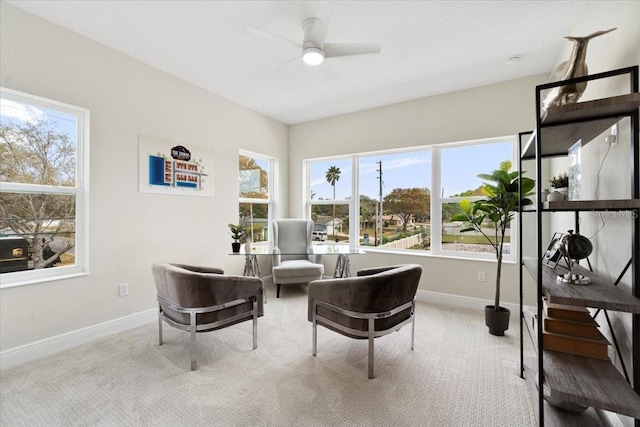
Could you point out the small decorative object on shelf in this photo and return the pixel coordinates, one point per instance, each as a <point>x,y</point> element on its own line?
<point>574,247</point>
<point>552,255</point>
<point>561,185</point>
<point>575,66</point>
<point>575,172</point>
<point>237,231</point>
<point>544,194</point>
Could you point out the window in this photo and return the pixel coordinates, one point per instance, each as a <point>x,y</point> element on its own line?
<point>255,189</point>
<point>405,197</point>
<point>329,198</point>
<point>458,183</point>
<point>43,189</point>
<point>395,199</point>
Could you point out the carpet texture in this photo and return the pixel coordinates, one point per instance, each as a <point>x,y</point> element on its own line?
<point>458,375</point>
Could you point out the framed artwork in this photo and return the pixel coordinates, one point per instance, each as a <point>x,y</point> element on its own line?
<point>575,172</point>
<point>552,255</point>
<point>168,167</point>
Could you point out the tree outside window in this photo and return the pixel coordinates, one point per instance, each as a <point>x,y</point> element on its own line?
<point>41,187</point>
<point>254,173</point>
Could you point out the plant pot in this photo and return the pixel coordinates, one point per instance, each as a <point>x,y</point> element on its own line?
<point>555,196</point>
<point>235,247</point>
<point>496,321</point>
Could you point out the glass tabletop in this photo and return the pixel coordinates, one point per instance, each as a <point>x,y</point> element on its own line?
<point>317,249</point>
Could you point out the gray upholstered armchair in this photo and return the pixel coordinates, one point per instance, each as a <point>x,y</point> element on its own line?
<point>202,299</point>
<point>291,248</point>
<point>375,303</point>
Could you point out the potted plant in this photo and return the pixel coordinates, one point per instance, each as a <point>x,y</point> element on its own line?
<point>503,198</point>
<point>561,184</point>
<point>237,231</point>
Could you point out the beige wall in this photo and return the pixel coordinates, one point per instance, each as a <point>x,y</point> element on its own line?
<point>128,230</point>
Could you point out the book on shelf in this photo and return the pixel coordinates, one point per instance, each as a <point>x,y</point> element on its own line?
<point>568,320</point>
<point>571,327</point>
<point>596,348</point>
<point>566,312</point>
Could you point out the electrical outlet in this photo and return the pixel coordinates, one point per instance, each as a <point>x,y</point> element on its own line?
<point>123,289</point>
<point>482,276</point>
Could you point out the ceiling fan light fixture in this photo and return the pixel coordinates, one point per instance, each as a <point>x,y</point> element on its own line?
<point>313,56</point>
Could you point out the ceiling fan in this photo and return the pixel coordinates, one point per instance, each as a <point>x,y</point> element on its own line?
<point>315,50</point>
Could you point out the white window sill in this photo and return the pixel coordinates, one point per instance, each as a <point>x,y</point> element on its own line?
<point>32,277</point>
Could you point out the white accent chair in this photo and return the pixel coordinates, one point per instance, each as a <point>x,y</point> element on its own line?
<point>292,262</point>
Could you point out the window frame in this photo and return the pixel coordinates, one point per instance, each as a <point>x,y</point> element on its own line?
<point>436,200</point>
<point>270,189</point>
<point>80,191</point>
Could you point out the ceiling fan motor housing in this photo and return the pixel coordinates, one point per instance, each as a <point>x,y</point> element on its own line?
<point>314,33</point>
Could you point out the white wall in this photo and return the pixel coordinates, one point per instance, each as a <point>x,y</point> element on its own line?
<point>128,230</point>
<point>490,111</point>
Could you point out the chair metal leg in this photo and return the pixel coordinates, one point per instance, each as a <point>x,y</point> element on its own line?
<point>159,326</point>
<point>315,330</point>
<point>255,324</point>
<point>194,364</point>
<point>413,329</point>
<point>370,358</point>
<point>278,290</point>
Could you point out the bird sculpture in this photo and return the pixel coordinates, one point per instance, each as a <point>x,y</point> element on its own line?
<point>575,66</point>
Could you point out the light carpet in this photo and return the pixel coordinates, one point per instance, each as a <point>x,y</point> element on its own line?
<point>458,375</point>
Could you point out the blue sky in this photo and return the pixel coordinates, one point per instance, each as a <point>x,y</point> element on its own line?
<point>19,112</point>
<point>460,166</point>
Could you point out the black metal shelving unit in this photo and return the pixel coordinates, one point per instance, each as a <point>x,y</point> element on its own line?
<point>577,379</point>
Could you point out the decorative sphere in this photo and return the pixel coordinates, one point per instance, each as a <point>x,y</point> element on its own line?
<point>575,246</point>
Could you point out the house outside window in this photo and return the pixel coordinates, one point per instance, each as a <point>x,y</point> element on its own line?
<point>43,189</point>
<point>406,197</point>
<point>255,184</point>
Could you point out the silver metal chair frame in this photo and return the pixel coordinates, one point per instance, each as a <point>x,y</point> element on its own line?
<point>371,333</point>
<point>192,327</point>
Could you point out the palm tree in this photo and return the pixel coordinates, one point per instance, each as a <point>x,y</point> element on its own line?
<point>333,176</point>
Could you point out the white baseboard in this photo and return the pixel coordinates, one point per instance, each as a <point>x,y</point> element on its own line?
<point>35,350</point>
<point>462,301</point>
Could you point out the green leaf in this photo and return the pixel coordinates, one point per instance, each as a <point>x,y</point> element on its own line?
<point>465,205</point>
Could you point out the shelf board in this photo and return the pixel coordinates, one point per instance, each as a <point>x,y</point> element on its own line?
<point>553,416</point>
<point>564,125</point>
<point>599,294</point>
<point>586,205</point>
<point>587,381</point>
<point>592,205</point>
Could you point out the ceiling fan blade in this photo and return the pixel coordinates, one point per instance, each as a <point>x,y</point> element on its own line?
<point>332,50</point>
<point>273,36</point>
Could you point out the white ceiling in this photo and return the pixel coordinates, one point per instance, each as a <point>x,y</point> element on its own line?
<point>428,47</point>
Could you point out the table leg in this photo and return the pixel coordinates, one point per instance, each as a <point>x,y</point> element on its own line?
<point>342,267</point>
<point>251,268</point>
